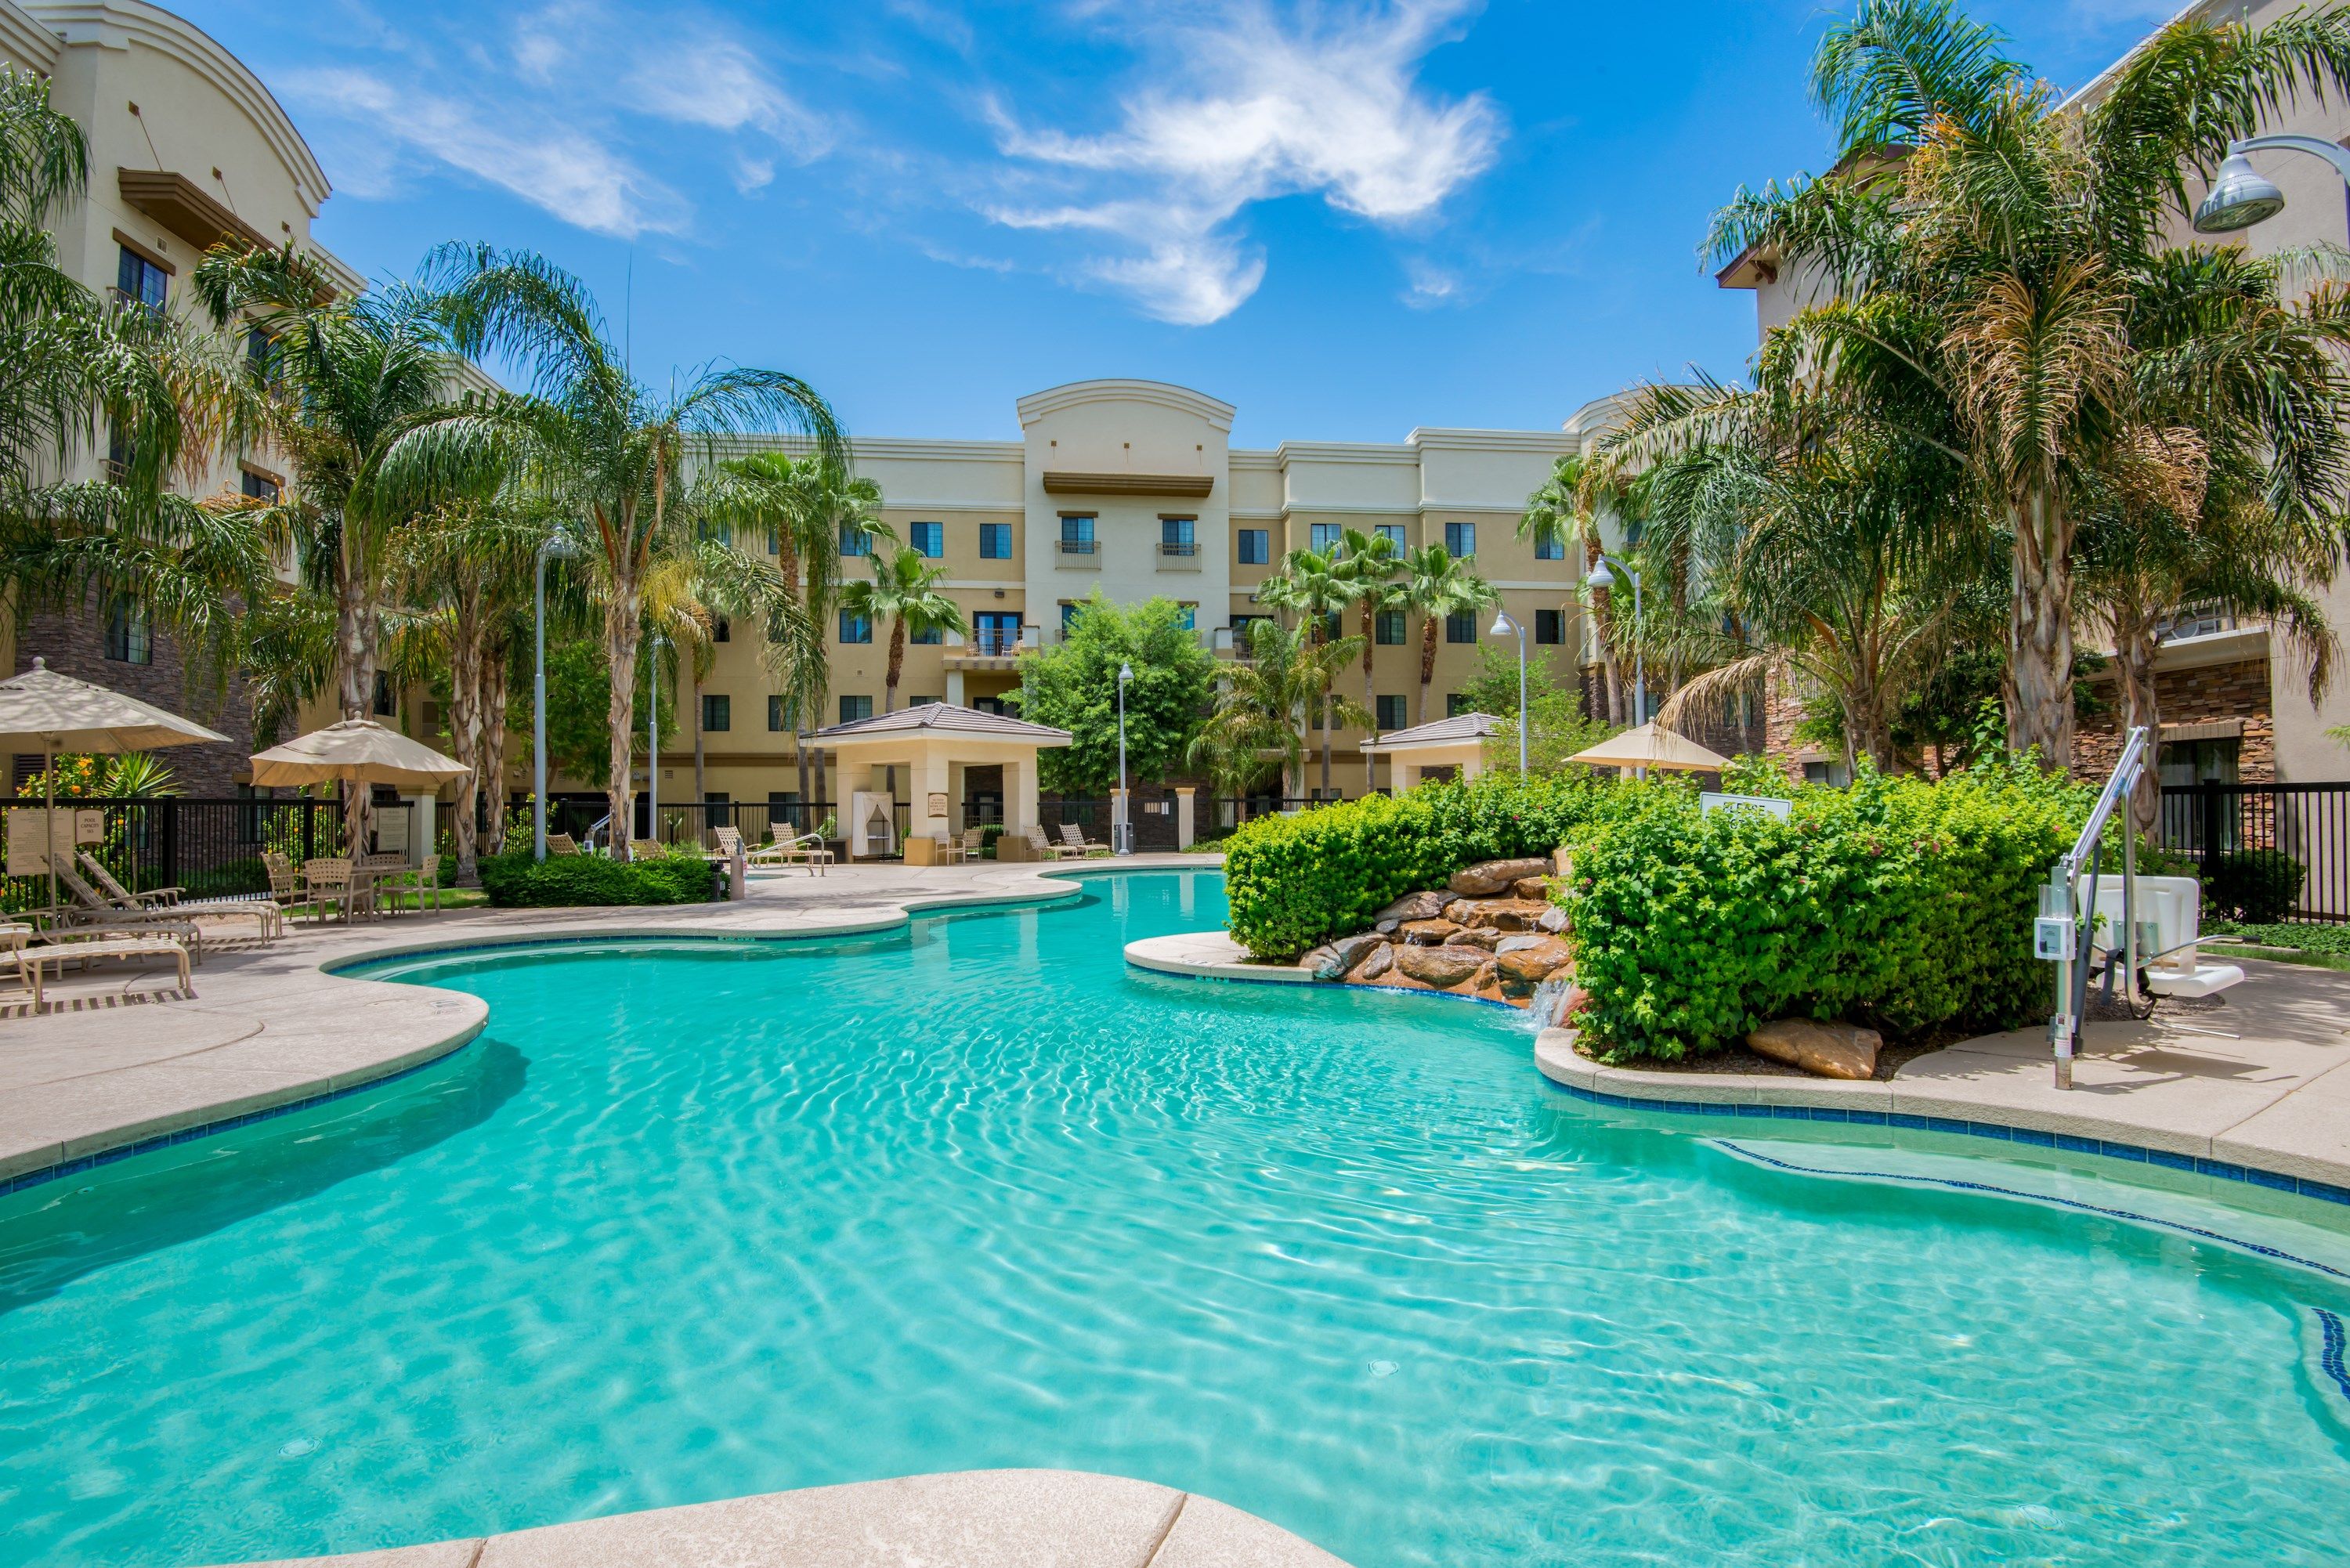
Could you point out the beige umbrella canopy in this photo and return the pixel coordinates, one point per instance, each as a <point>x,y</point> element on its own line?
<point>1652,747</point>
<point>357,752</point>
<point>59,713</point>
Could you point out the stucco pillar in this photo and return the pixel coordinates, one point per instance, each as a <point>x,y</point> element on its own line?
<point>1184,831</point>
<point>931,777</point>
<point>1405,774</point>
<point>423,831</point>
<point>954,689</point>
<point>1474,767</point>
<point>1020,795</point>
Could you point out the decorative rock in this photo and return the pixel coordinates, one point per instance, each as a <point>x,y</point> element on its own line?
<point>1533,888</point>
<point>1487,878</point>
<point>1552,920</point>
<point>1518,944</point>
<point>1417,905</point>
<point>1474,937</point>
<point>1523,968</point>
<point>1441,967</point>
<point>1380,962</point>
<point>1482,982</point>
<point>1829,1050</point>
<point>1319,962</point>
<point>1332,960</point>
<point>1387,927</point>
<point>1500,914</point>
<point>1428,933</point>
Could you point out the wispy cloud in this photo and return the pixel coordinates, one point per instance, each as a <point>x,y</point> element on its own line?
<point>1242,107</point>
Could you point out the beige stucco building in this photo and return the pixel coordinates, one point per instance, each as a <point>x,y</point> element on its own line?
<point>1132,487</point>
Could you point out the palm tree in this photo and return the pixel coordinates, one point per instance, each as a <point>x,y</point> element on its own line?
<point>904,592</point>
<point>2005,292</point>
<point>1438,586</point>
<point>1262,709</point>
<point>1311,583</point>
<point>602,447</point>
<point>1368,565</point>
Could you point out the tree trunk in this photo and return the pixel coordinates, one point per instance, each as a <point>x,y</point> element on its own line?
<point>2040,634</point>
<point>355,658</point>
<point>800,753</point>
<point>466,725</point>
<point>1426,664</point>
<point>621,632</point>
<point>498,662</point>
<point>701,770</point>
<point>2134,651</point>
<point>1603,616</point>
<point>1370,703</point>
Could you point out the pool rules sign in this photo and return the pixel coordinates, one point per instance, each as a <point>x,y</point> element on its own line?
<point>28,844</point>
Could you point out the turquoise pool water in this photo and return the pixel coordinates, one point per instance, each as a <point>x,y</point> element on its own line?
<point>691,1222</point>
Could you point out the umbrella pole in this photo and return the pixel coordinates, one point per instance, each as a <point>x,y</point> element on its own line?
<point>50,827</point>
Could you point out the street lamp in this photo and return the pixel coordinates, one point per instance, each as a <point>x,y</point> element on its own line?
<point>1504,623</point>
<point>1601,577</point>
<point>2242,196</point>
<point>652,746</point>
<point>556,547</point>
<point>1125,824</point>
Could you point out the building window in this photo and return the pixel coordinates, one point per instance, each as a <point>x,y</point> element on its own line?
<point>1393,534</point>
<point>996,633</point>
<point>1069,613</point>
<point>1834,775</point>
<point>1326,537</point>
<point>1187,617</point>
<point>258,487</point>
<point>723,631</point>
<point>782,715</point>
<point>1455,704</point>
<point>2201,762</point>
<point>1334,625</point>
<point>1256,546</point>
<point>258,348</point>
<point>1460,628</point>
<point>993,705</point>
<point>1460,539</point>
<point>384,705</point>
<point>996,541</point>
<point>855,708</point>
<point>140,281</point>
<point>1550,548</point>
<point>129,638</point>
<point>1177,536</point>
<point>855,540</point>
<point>1387,629</point>
<point>120,453</point>
<point>1550,626</point>
<point>924,702</point>
<point>1244,633</point>
<point>717,713</point>
<point>855,627</point>
<point>1390,713</point>
<point>1077,536</point>
<point>930,539</point>
<point>926,636</point>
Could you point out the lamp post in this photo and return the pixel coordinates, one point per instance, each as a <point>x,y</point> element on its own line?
<point>1504,623</point>
<point>2242,196</point>
<point>1601,577</point>
<point>1125,824</point>
<point>652,746</point>
<point>555,548</point>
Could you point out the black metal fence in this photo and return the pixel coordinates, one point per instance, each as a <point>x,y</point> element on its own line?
<point>208,847</point>
<point>2310,822</point>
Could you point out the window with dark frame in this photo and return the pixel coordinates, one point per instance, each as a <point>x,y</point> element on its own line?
<point>1461,540</point>
<point>1455,704</point>
<point>723,631</point>
<point>1550,548</point>
<point>855,627</point>
<point>717,712</point>
<point>1391,712</point>
<point>1177,536</point>
<point>1459,627</point>
<point>855,708</point>
<point>1393,532</point>
<point>996,541</point>
<point>129,638</point>
<point>928,539</point>
<point>1387,629</point>
<point>927,636</point>
<point>995,633</point>
<point>855,540</point>
<point>1550,626</point>
<point>1077,535</point>
<point>386,703</point>
<point>1326,537</point>
<point>259,487</point>
<point>1256,546</point>
<point>142,282</point>
<point>782,718</point>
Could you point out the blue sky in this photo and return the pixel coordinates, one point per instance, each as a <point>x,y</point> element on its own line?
<point>1347,219</point>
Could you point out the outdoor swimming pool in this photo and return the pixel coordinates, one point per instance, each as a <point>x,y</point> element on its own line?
<point>696,1222</point>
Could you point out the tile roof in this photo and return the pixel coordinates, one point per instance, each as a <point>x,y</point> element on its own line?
<point>947,716</point>
<point>1459,727</point>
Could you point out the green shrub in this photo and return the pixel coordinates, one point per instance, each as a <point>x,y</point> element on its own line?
<point>513,881</point>
<point>1295,882</point>
<point>1898,903</point>
<point>2255,886</point>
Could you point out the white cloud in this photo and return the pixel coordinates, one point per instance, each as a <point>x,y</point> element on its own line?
<point>715,81</point>
<point>560,167</point>
<point>1430,286</point>
<point>1246,107</point>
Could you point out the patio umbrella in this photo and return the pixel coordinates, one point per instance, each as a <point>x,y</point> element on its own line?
<point>1652,747</point>
<point>62,714</point>
<point>356,752</point>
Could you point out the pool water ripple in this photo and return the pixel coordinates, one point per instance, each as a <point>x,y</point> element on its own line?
<point>690,1223</point>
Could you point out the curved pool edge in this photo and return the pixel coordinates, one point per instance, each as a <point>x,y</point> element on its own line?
<point>972,1519</point>
<point>296,1041</point>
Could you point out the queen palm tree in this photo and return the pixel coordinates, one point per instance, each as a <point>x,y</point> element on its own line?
<point>1263,703</point>
<point>1368,565</point>
<point>1311,583</point>
<point>2005,292</point>
<point>1438,586</point>
<point>904,591</point>
<point>601,447</point>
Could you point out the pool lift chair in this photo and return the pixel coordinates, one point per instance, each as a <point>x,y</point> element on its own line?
<point>2158,956</point>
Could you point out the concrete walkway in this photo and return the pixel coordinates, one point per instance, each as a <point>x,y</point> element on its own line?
<point>974,1519</point>
<point>122,1059</point>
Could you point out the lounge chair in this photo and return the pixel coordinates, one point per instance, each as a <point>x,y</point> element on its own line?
<point>561,844</point>
<point>728,840</point>
<point>1045,848</point>
<point>272,918</point>
<point>807,850</point>
<point>1074,838</point>
<point>91,910</point>
<point>28,952</point>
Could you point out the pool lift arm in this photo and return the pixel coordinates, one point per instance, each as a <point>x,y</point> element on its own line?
<point>2065,932</point>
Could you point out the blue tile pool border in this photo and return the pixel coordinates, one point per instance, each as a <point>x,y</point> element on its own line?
<point>2226,1170</point>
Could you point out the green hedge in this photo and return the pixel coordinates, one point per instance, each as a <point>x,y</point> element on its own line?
<point>513,881</point>
<point>2255,886</point>
<point>1898,903</point>
<point>1296,881</point>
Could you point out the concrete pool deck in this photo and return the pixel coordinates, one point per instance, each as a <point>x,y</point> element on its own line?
<point>117,1062</point>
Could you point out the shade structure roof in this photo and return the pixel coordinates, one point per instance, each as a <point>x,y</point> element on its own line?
<point>356,750</point>
<point>944,720</point>
<point>1459,729</point>
<point>1652,747</point>
<point>59,713</point>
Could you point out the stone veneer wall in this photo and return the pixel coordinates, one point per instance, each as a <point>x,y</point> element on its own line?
<point>2215,692</point>
<point>74,644</point>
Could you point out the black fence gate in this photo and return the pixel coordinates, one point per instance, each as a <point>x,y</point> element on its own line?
<point>208,848</point>
<point>2309,822</point>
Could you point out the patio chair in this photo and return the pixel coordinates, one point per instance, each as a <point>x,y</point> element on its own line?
<point>1045,848</point>
<point>974,840</point>
<point>561,844</point>
<point>1074,836</point>
<point>272,918</point>
<point>949,849</point>
<point>33,951</point>
<point>328,880</point>
<point>286,884</point>
<point>387,873</point>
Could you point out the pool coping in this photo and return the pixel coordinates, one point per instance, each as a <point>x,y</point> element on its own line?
<point>199,1116</point>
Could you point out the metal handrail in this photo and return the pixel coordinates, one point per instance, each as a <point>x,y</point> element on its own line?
<point>2064,879</point>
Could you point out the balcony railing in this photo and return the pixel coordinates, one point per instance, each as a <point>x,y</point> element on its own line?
<point>1178,548</point>
<point>996,641</point>
<point>1076,547</point>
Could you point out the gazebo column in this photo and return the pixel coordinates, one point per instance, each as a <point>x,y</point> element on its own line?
<point>1407,775</point>
<point>932,775</point>
<point>1020,795</point>
<point>1474,766</point>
